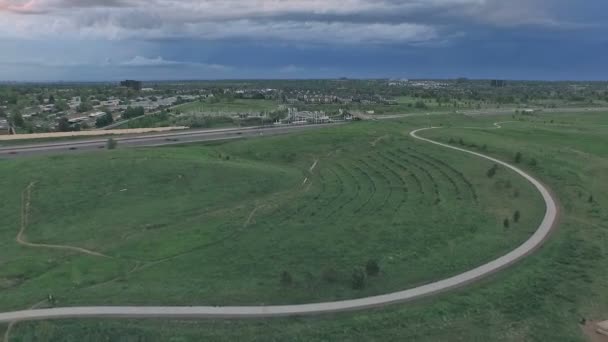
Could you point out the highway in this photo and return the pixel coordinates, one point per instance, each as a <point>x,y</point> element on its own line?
<point>148,140</point>
<point>545,228</point>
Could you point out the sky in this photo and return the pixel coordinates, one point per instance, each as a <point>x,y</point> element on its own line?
<point>108,40</point>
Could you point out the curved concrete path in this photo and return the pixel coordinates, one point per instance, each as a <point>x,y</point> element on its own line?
<point>204,312</point>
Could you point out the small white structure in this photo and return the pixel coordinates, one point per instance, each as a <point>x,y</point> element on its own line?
<point>97,114</point>
<point>77,120</point>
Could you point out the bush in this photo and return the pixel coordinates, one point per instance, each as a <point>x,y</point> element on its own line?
<point>516,216</point>
<point>492,171</point>
<point>372,268</point>
<point>330,275</point>
<point>133,112</point>
<point>104,120</point>
<point>358,278</point>
<point>506,223</point>
<point>518,157</point>
<point>533,162</point>
<point>420,105</point>
<point>591,199</point>
<point>286,278</point>
<point>111,144</point>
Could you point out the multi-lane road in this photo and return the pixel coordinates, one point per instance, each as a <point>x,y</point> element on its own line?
<point>548,223</point>
<point>180,137</point>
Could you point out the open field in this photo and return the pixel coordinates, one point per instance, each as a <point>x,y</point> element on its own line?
<point>225,107</point>
<point>374,194</point>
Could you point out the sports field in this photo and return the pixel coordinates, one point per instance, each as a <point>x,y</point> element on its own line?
<point>223,224</point>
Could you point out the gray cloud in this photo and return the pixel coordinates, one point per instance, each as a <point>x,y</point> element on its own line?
<point>315,21</point>
<point>144,62</point>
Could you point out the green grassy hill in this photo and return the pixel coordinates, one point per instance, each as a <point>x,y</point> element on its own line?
<point>219,224</point>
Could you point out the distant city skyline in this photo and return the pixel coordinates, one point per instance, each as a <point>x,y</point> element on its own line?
<point>101,40</point>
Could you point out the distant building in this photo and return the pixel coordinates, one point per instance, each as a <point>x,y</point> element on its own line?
<point>135,85</point>
<point>528,111</point>
<point>77,120</point>
<point>4,127</point>
<point>498,83</point>
<point>97,114</point>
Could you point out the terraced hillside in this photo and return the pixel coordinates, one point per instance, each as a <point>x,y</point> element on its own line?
<point>275,220</point>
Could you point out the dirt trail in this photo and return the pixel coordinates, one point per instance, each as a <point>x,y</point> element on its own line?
<point>379,139</point>
<point>250,217</point>
<point>21,239</point>
<point>312,168</point>
<point>9,328</point>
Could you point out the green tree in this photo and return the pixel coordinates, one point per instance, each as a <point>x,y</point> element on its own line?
<point>17,119</point>
<point>111,144</point>
<point>358,278</point>
<point>133,112</point>
<point>51,99</point>
<point>420,105</point>
<point>64,125</point>
<point>492,171</point>
<point>506,223</point>
<point>330,275</point>
<point>518,157</point>
<point>61,105</point>
<point>104,120</point>
<point>84,107</point>
<point>286,278</point>
<point>372,268</point>
<point>516,216</point>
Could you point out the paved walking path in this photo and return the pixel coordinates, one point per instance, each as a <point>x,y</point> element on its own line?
<point>203,312</point>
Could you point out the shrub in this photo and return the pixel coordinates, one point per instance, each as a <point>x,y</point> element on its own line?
<point>111,144</point>
<point>484,147</point>
<point>286,278</point>
<point>518,157</point>
<point>492,171</point>
<point>516,216</point>
<point>452,141</point>
<point>372,268</point>
<point>461,142</point>
<point>131,112</point>
<point>533,162</point>
<point>358,278</point>
<point>591,199</point>
<point>506,223</point>
<point>330,275</point>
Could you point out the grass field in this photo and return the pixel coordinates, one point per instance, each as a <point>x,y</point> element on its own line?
<point>225,107</point>
<point>422,211</point>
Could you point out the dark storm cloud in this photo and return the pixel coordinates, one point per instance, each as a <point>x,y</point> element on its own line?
<point>312,37</point>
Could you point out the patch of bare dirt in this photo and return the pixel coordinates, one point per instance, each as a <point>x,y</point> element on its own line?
<point>590,330</point>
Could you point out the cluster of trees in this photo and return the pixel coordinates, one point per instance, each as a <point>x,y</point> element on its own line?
<point>133,112</point>
<point>104,120</point>
<point>65,126</point>
<point>84,106</point>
